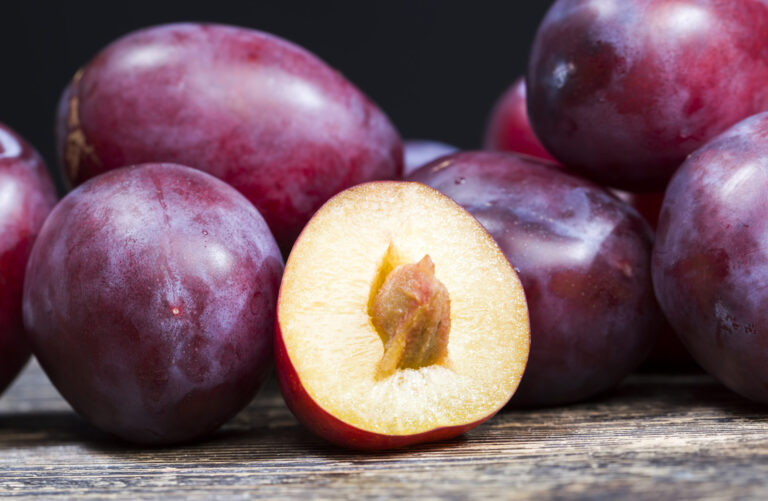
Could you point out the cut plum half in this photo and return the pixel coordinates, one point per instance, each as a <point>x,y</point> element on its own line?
<point>399,320</point>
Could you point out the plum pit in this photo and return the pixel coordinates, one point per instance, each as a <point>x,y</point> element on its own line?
<point>411,311</point>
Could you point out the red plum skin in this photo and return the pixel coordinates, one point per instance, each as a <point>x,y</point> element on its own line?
<point>27,195</point>
<point>623,91</point>
<point>150,301</point>
<point>583,257</point>
<point>254,110</point>
<point>710,261</point>
<point>509,128</point>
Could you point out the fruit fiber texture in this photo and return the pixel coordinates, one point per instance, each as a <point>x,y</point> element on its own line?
<point>509,127</point>
<point>339,432</point>
<point>361,352</point>
<point>256,111</point>
<point>710,261</point>
<point>584,260</point>
<point>623,91</point>
<point>150,301</point>
<point>27,195</point>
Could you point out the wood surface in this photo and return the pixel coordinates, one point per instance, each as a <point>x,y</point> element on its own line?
<point>655,437</point>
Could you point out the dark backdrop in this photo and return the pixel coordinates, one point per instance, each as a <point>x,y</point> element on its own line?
<point>435,67</point>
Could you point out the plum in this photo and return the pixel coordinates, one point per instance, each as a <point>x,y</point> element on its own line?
<point>668,353</point>
<point>254,110</point>
<point>27,195</point>
<point>647,204</point>
<point>583,256</point>
<point>419,152</point>
<point>150,301</point>
<point>509,127</point>
<point>623,91</point>
<point>710,260</point>
<point>399,320</point>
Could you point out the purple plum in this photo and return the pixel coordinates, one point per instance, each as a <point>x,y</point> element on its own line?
<point>583,257</point>
<point>150,301</point>
<point>623,91</point>
<point>710,261</point>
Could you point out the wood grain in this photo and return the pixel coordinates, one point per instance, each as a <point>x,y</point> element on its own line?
<point>656,437</point>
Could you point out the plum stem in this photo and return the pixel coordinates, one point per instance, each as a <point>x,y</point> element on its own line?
<point>412,313</point>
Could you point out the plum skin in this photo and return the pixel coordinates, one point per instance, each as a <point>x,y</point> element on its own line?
<point>27,195</point>
<point>150,301</point>
<point>583,257</point>
<point>709,261</point>
<point>624,91</point>
<point>669,352</point>
<point>419,152</point>
<point>647,205</point>
<point>509,127</point>
<point>336,431</point>
<point>256,111</point>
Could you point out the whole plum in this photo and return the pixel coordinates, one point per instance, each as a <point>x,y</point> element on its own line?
<point>419,152</point>
<point>624,90</point>
<point>27,195</point>
<point>254,110</point>
<point>150,300</point>
<point>710,261</point>
<point>509,127</point>
<point>583,257</point>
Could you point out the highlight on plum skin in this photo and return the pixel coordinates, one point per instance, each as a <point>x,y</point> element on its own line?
<point>419,152</point>
<point>150,301</point>
<point>624,91</point>
<point>583,257</point>
<point>27,195</point>
<point>509,127</point>
<point>710,261</point>
<point>260,113</point>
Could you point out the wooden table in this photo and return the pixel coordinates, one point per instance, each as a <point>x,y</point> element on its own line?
<point>656,437</point>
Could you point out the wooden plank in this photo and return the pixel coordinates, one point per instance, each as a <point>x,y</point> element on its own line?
<point>656,437</point>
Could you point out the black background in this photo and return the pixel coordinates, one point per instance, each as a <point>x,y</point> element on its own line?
<point>435,67</point>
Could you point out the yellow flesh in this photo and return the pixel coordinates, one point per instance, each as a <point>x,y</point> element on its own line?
<point>329,335</point>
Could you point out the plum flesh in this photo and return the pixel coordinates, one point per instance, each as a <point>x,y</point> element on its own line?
<point>256,111</point>
<point>710,260</point>
<point>509,127</point>
<point>584,260</point>
<point>27,195</point>
<point>150,301</point>
<point>623,91</point>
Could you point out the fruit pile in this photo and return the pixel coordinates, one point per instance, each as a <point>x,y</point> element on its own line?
<point>424,288</point>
